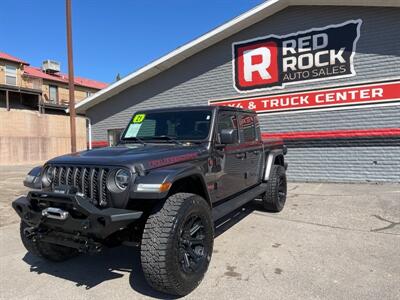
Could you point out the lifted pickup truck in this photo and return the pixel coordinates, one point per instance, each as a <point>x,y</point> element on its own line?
<point>173,174</point>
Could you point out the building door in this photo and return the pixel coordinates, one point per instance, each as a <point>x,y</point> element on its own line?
<point>114,136</point>
<point>53,94</point>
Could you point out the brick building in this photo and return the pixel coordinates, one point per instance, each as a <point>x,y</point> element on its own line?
<point>323,75</point>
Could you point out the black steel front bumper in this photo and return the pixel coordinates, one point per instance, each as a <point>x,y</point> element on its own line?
<point>81,217</point>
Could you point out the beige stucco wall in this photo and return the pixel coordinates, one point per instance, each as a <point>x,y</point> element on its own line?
<point>28,137</point>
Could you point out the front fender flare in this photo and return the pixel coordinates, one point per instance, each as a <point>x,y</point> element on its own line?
<point>168,174</point>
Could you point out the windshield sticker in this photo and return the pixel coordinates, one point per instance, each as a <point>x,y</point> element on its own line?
<point>133,130</point>
<point>138,118</point>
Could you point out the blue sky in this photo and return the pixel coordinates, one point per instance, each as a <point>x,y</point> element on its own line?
<point>109,37</point>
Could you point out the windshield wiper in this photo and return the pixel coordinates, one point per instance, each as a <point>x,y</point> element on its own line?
<point>167,137</point>
<point>132,138</point>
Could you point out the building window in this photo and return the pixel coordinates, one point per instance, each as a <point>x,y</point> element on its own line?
<point>53,93</point>
<point>11,75</point>
<point>88,94</point>
<point>114,136</point>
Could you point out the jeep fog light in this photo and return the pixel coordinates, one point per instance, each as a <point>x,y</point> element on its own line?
<point>122,179</point>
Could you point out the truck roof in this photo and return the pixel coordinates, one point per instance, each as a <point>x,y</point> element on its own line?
<point>198,107</point>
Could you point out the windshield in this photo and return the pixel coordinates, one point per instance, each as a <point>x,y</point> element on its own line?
<point>171,125</point>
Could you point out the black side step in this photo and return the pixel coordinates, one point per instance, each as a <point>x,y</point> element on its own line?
<point>232,204</point>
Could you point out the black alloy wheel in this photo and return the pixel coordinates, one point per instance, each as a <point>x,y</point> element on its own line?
<point>192,245</point>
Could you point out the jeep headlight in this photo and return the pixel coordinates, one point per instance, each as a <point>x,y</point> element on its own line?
<point>122,178</point>
<point>48,176</point>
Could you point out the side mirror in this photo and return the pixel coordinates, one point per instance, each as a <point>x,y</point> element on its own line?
<point>32,180</point>
<point>228,136</point>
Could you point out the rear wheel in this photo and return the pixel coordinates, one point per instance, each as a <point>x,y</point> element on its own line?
<point>177,244</point>
<point>52,252</point>
<point>274,197</point>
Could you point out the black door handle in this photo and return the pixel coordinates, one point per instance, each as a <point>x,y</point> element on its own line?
<point>241,155</point>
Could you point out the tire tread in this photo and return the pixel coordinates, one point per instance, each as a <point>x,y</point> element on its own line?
<point>270,202</point>
<point>156,243</point>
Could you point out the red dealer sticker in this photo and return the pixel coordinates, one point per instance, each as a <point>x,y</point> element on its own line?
<point>319,99</point>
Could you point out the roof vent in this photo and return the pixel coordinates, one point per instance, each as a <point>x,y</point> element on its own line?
<point>51,66</point>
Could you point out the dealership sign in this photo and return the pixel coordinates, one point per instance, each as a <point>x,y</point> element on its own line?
<point>338,97</point>
<point>273,61</point>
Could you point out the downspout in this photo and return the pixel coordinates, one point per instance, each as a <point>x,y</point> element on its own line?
<point>89,127</point>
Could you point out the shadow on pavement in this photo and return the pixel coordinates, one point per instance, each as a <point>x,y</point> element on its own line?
<point>91,270</point>
<point>113,263</point>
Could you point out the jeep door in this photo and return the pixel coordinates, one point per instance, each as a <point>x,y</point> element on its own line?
<point>229,159</point>
<point>252,144</point>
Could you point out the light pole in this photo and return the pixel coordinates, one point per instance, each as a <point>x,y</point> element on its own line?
<point>72,113</point>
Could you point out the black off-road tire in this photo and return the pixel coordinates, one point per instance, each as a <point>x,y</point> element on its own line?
<point>274,197</point>
<point>52,252</point>
<point>165,239</point>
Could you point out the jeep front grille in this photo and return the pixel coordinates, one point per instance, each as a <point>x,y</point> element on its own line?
<point>92,182</point>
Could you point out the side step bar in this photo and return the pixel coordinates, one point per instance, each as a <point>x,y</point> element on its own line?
<point>229,206</point>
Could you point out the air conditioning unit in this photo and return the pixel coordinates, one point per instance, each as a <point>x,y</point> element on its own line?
<point>51,66</point>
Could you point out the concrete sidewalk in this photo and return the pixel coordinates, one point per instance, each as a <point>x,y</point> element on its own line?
<point>332,241</point>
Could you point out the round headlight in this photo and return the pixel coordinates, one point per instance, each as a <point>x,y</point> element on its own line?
<point>48,176</point>
<point>122,178</point>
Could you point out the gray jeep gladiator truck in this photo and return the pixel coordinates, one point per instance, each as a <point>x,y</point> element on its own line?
<point>174,172</point>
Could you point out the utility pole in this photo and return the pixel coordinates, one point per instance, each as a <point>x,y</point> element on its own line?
<point>72,113</point>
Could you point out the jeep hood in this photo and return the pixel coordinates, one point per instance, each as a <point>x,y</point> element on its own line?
<point>150,155</point>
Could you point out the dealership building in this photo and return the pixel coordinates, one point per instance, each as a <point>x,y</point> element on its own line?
<point>323,75</point>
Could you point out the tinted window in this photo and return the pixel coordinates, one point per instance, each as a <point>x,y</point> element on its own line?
<point>227,120</point>
<point>247,127</point>
<point>180,125</point>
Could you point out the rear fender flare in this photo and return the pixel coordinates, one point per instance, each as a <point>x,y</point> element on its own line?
<point>274,157</point>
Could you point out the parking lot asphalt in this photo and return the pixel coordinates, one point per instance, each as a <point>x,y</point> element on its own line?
<point>332,241</point>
